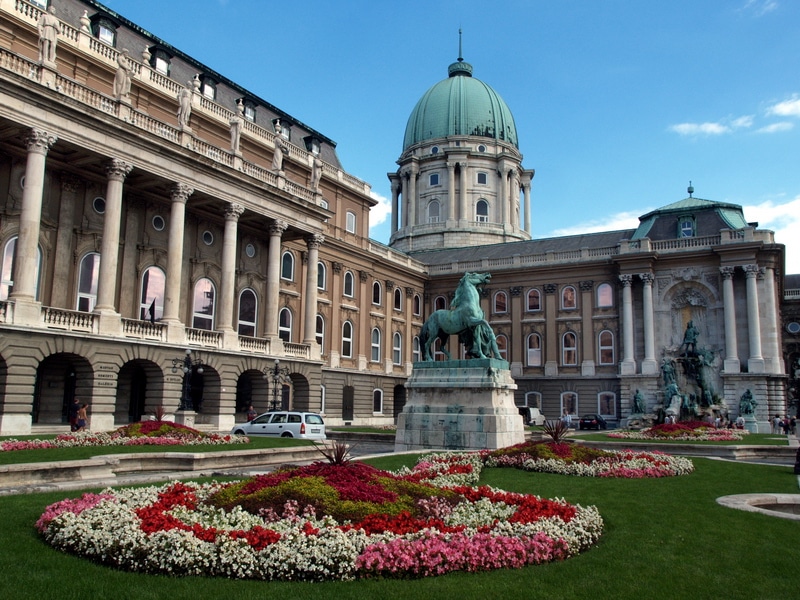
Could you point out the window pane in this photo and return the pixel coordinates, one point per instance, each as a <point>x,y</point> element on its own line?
<point>203,305</point>
<point>153,285</point>
<point>568,297</point>
<point>534,300</point>
<point>605,295</point>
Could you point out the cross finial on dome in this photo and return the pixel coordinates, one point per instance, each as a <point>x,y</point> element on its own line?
<point>460,54</point>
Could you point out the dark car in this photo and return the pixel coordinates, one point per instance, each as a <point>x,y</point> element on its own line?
<point>592,422</point>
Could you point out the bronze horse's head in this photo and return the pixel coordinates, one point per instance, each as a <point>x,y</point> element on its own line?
<point>477,279</point>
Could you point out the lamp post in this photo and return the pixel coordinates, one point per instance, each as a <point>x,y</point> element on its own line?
<point>279,375</point>
<point>187,364</point>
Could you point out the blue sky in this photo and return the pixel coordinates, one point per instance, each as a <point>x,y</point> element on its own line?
<point>618,103</point>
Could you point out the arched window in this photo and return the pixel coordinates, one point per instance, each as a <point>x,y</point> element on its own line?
<point>322,276</point>
<point>433,212</point>
<point>349,284</point>
<point>502,346</point>
<point>568,298</point>
<point>605,295</point>
<point>287,266</point>
<point>350,222</point>
<point>320,333</point>
<point>377,293</point>
<point>87,282</point>
<point>569,349</point>
<point>322,399</point>
<point>534,300</point>
<point>376,345</point>
<point>285,325</point>
<point>203,306</point>
<point>534,346</point>
<point>398,299</point>
<point>377,401</point>
<point>151,307</point>
<point>397,348</point>
<point>440,303</point>
<point>347,339</point>
<point>607,404</point>
<point>605,342</point>
<point>416,353</point>
<point>417,305</point>
<point>248,310</point>
<point>482,211</point>
<point>9,264</point>
<point>569,403</point>
<point>500,303</point>
<point>533,399</point>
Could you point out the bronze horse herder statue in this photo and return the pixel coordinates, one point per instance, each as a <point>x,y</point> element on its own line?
<point>465,318</point>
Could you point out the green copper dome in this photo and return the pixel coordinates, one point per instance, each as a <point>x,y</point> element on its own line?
<point>460,105</point>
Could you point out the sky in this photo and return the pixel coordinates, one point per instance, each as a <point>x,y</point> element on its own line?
<point>618,104</point>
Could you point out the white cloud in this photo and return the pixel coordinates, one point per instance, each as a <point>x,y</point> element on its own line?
<point>759,7</point>
<point>621,220</point>
<point>708,128</point>
<point>787,108</point>
<point>381,211</point>
<point>700,128</point>
<point>784,220</point>
<point>776,127</point>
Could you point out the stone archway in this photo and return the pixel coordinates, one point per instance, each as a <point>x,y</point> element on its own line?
<point>60,378</point>
<point>139,391</point>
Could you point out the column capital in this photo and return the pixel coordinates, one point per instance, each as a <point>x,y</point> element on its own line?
<point>117,170</point>
<point>647,278</point>
<point>314,241</point>
<point>586,286</point>
<point>626,280</point>
<point>727,272</point>
<point>751,270</point>
<point>233,211</point>
<point>39,141</point>
<point>180,192</point>
<point>550,288</point>
<point>277,227</point>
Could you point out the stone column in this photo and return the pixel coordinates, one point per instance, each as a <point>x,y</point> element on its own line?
<point>526,188</point>
<point>27,256</point>
<point>63,252</point>
<point>313,242</point>
<point>117,170</point>
<point>774,356</point>
<point>755,364</point>
<point>552,343</point>
<point>395,204</point>
<point>412,196</point>
<point>462,194</point>
<point>273,278</point>
<point>404,198</point>
<point>179,195</point>
<point>451,192</point>
<point>628,365</point>
<point>228,284</point>
<point>649,364</point>
<point>588,337</point>
<point>731,364</point>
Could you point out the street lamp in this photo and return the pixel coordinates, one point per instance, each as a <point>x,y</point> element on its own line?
<point>187,364</point>
<point>279,375</point>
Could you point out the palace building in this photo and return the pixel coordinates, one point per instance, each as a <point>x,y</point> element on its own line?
<point>173,241</point>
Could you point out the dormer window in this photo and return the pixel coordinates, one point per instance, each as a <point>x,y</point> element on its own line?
<point>104,29</point>
<point>686,227</point>
<point>160,61</point>
<point>312,144</point>
<point>208,87</point>
<point>249,109</point>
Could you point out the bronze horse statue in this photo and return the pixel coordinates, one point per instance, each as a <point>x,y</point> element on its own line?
<point>465,318</point>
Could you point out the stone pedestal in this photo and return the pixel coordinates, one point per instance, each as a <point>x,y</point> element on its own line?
<point>460,405</point>
<point>185,417</point>
<point>750,423</point>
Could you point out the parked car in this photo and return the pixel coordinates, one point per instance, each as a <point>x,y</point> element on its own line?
<point>283,423</point>
<point>531,416</point>
<point>592,422</point>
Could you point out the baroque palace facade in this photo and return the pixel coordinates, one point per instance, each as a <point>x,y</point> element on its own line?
<point>150,206</point>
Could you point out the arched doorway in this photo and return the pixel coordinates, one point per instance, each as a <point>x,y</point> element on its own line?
<point>60,379</point>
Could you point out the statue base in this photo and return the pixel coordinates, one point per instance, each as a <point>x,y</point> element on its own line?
<point>460,405</point>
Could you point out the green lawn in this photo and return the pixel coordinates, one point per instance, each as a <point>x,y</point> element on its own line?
<point>50,454</point>
<point>664,538</point>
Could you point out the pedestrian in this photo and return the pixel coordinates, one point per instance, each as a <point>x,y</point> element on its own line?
<point>82,418</point>
<point>776,424</point>
<point>566,419</point>
<point>73,414</point>
<point>251,413</point>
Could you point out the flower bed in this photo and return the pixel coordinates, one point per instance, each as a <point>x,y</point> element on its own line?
<point>574,459</point>
<point>146,433</point>
<point>323,522</point>
<point>689,431</point>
